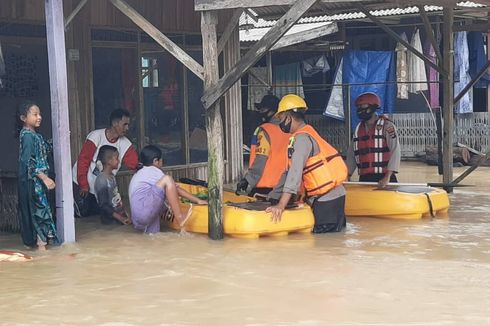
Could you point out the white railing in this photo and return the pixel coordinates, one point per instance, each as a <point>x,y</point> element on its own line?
<point>416,131</point>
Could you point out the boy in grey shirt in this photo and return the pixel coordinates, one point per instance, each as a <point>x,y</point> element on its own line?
<point>106,191</point>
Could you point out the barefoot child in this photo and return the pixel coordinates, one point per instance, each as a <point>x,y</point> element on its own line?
<point>106,192</point>
<point>36,219</point>
<point>148,190</point>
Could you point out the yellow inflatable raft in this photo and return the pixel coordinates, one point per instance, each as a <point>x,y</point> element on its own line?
<point>244,217</point>
<point>396,202</point>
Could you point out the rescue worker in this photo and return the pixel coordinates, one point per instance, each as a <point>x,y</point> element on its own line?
<point>314,163</point>
<point>268,152</point>
<point>375,149</point>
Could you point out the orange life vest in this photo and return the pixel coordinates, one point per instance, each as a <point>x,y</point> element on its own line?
<point>323,171</point>
<point>277,162</point>
<point>371,149</point>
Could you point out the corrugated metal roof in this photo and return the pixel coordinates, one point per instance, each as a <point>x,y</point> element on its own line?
<point>279,10</point>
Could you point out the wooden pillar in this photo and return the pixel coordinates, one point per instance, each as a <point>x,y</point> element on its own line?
<point>448,96</point>
<point>185,116</point>
<point>141,116</point>
<point>214,126</point>
<point>233,112</point>
<point>488,87</point>
<point>55,34</point>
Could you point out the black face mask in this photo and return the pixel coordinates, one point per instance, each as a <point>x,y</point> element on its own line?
<point>285,127</point>
<point>365,114</point>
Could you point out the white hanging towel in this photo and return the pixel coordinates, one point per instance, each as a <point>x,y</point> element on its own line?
<point>401,69</point>
<point>335,105</point>
<point>416,67</point>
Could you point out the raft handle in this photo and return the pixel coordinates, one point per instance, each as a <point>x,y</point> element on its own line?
<point>431,208</point>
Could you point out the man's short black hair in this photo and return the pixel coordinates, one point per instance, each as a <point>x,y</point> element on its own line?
<point>117,115</point>
<point>106,152</point>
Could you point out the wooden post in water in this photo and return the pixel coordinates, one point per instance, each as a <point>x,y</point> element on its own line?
<point>448,96</point>
<point>55,34</point>
<point>214,126</point>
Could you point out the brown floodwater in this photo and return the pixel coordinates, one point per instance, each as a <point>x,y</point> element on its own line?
<point>383,272</point>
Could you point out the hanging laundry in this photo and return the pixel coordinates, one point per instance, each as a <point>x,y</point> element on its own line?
<point>335,105</point>
<point>375,70</point>
<point>462,73</point>
<point>315,65</point>
<point>256,90</point>
<point>477,58</point>
<point>401,69</point>
<point>416,67</point>
<point>433,75</point>
<point>287,80</point>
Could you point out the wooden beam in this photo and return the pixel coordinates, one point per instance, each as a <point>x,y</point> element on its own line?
<point>55,35</point>
<point>214,127</point>
<point>471,83</point>
<point>304,36</point>
<point>260,48</point>
<point>482,159</point>
<point>74,13</point>
<point>397,37</point>
<point>202,5</point>
<point>251,15</point>
<point>268,61</point>
<point>448,96</point>
<point>160,38</point>
<point>230,27</point>
<point>259,79</point>
<point>482,27</point>
<point>430,32</point>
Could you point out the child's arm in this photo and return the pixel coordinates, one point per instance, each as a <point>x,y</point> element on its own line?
<point>191,197</point>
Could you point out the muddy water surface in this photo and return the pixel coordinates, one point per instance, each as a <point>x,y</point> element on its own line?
<point>427,272</point>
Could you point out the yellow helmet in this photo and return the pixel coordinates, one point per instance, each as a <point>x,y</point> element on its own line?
<point>291,102</point>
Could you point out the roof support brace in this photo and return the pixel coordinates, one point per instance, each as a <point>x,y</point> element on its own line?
<point>471,83</point>
<point>259,79</point>
<point>235,19</point>
<point>74,13</point>
<point>160,38</point>
<point>212,94</point>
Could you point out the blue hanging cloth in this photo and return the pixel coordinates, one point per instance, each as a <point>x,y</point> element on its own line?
<point>478,58</point>
<point>371,67</point>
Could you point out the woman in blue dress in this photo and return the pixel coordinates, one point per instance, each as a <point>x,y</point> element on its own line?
<point>36,218</point>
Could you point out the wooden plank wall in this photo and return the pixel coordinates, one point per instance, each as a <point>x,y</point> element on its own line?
<point>233,113</point>
<point>167,15</point>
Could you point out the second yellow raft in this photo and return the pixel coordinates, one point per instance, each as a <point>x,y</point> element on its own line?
<point>397,202</point>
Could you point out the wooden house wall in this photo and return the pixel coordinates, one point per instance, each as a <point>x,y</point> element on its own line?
<point>167,15</point>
